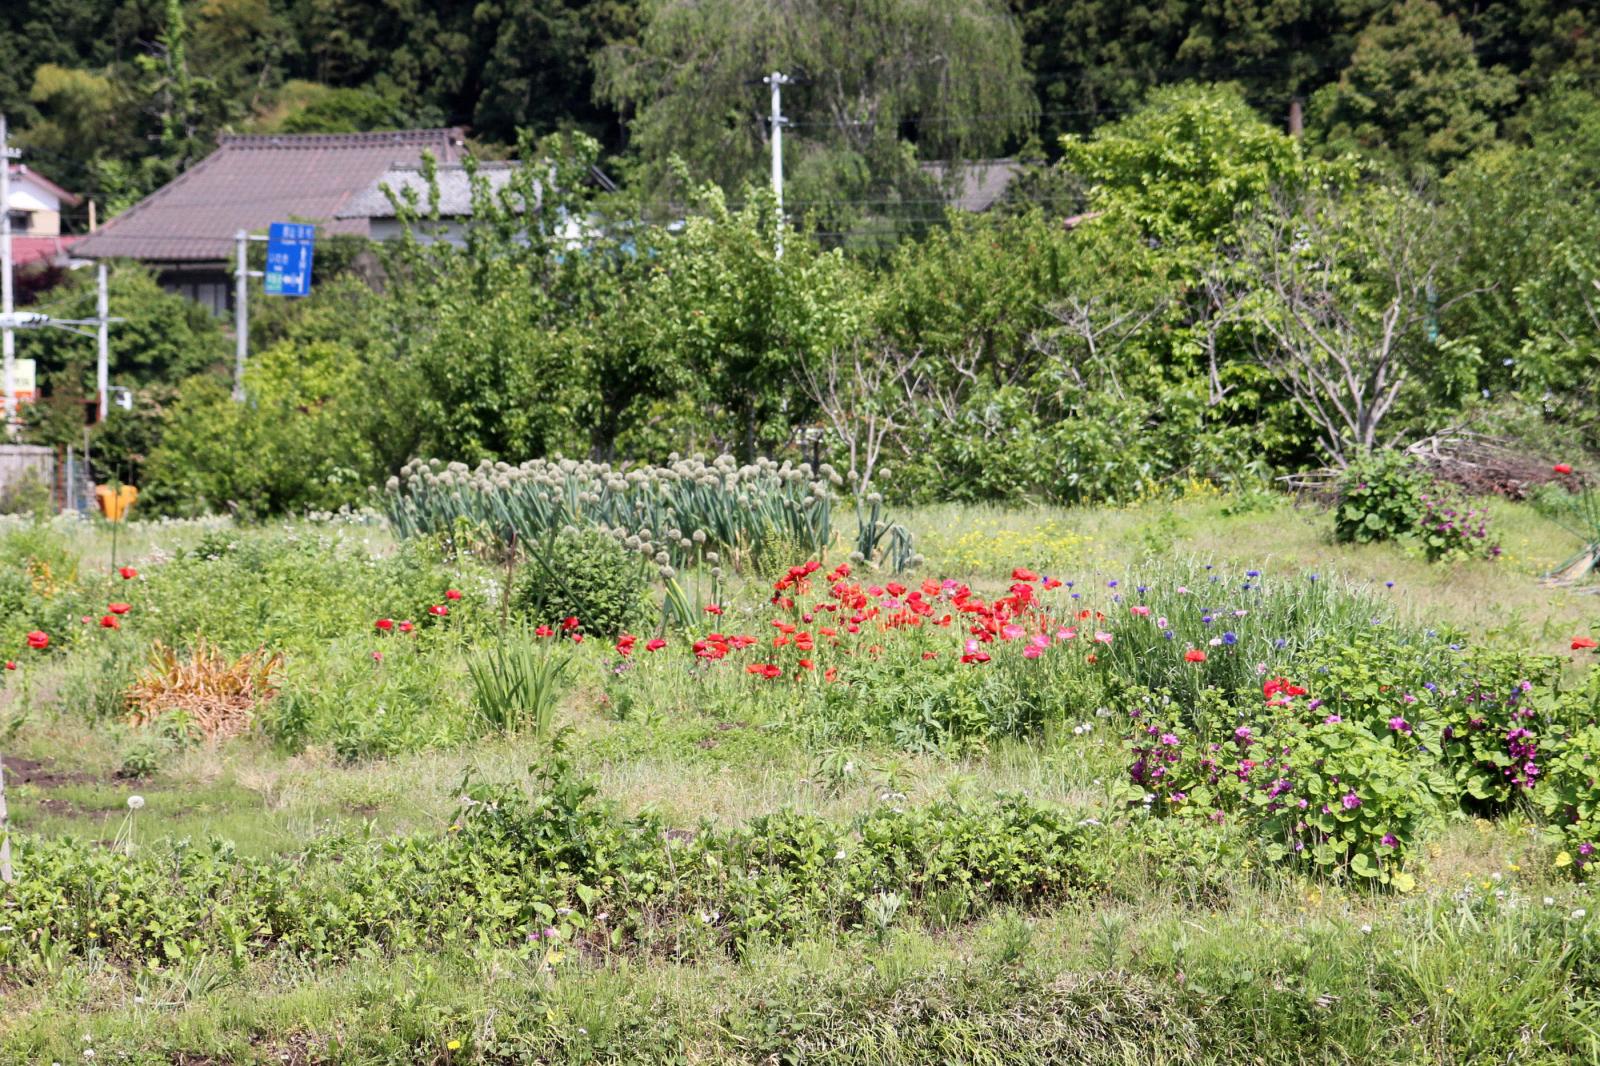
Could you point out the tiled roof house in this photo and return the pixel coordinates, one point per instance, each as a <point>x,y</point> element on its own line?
<point>185,229</point>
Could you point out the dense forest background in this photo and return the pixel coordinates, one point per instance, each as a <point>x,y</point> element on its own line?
<point>112,97</point>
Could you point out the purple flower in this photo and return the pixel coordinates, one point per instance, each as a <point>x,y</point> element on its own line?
<point>1399,725</point>
<point>1390,840</point>
<point>1351,801</point>
<point>1332,719</point>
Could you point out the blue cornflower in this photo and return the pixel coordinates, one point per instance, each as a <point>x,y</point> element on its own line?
<point>1206,618</point>
<point>1230,637</point>
<point>1280,643</point>
<point>1313,577</point>
<point>1167,633</point>
<point>1111,584</point>
<point>1252,573</point>
<point>1388,584</point>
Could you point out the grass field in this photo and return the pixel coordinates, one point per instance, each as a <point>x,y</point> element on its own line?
<point>1178,940</point>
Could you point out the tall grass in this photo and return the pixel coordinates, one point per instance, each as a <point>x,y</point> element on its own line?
<point>515,685</point>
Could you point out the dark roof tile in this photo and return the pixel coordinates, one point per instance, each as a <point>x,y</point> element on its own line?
<point>250,181</point>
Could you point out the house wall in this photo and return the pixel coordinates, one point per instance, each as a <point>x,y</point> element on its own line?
<point>39,209</point>
<point>39,224</point>
<point>448,230</point>
<point>209,285</point>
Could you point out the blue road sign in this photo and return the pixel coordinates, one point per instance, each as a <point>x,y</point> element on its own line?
<point>289,259</point>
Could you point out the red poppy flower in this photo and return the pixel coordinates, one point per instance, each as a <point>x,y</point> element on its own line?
<point>110,621</point>
<point>119,608</point>
<point>1194,655</point>
<point>569,623</point>
<point>544,631</point>
<point>10,665</point>
<point>406,627</point>
<point>1580,643</point>
<point>439,610</point>
<point>38,640</point>
<point>1563,468</point>
<point>452,594</point>
<point>377,656</point>
<point>1023,574</point>
<point>806,664</point>
<point>712,608</point>
<point>383,625</point>
<point>654,645</point>
<point>128,573</point>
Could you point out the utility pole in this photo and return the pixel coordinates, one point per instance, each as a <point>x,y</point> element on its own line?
<point>1297,121</point>
<point>102,365</point>
<point>8,341</point>
<point>777,81</point>
<point>241,313</point>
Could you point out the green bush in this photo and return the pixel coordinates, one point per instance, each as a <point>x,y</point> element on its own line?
<point>294,446</point>
<point>585,575</point>
<point>1380,498</point>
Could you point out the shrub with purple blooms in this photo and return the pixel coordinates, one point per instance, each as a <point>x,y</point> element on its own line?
<point>1448,529</point>
<point>1313,787</point>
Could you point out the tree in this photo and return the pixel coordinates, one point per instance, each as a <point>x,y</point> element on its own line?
<point>1347,300</point>
<point>1526,214</point>
<point>951,70</point>
<point>1187,167</point>
<point>746,321</point>
<point>1094,60</point>
<point>1413,92</point>
<point>295,446</point>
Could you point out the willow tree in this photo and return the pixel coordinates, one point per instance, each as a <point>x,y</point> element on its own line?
<point>884,83</point>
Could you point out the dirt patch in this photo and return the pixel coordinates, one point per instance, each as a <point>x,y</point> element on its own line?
<point>44,774</point>
<point>60,808</point>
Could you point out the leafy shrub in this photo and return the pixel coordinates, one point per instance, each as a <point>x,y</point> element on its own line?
<point>1380,498</point>
<point>1314,788</point>
<point>295,446</point>
<point>1569,795</point>
<point>1449,529</point>
<point>585,575</point>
